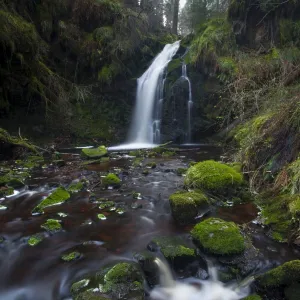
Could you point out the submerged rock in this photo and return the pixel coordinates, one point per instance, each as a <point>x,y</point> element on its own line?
<point>219,237</point>
<point>52,225</point>
<point>121,281</point>
<point>93,153</point>
<point>186,206</point>
<point>58,196</point>
<point>213,176</point>
<point>76,187</point>
<point>71,256</point>
<point>35,239</point>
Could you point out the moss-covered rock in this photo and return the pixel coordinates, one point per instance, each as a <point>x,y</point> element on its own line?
<point>35,239</point>
<point>111,180</point>
<point>219,237</point>
<point>213,176</point>
<point>181,171</point>
<point>93,153</point>
<point>121,281</point>
<point>71,256</point>
<point>106,204</point>
<point>58,196</point>
<point>101,217</point>
<point>253,297</point>
<point>52,225</point>
<point>185,206</point>
<point>151,165</point>
<point>174,249</point>
<point>283,275</point>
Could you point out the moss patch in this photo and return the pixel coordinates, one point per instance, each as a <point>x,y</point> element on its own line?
<point>94,152</point>
<point>173,247</point>
<point>213,176</point>
<point>76,187</point>
<point>283,275</point>
<point>185,206</point>
<point>71,256</point>
<point>58,196</point>
<point>52,225</point>
<point>34,240</point>
<point>219,237</point>
<point>253,297</point>
<point>111,180</point>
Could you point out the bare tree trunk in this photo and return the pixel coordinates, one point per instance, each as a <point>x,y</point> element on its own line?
<point>175,16</point>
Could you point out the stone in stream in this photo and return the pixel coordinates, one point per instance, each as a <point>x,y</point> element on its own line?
<point>35,239</point>
<point>111,180</point>
<point>186,206</point>
<point>71,256</point>
<point>123,280</point>
<point>215,177</point>
<point>219,237</point>
<point>57,197</point>
<point>93,153</point>
<point>52,225</point>
<point>76,187</point>
<point>174,249</point>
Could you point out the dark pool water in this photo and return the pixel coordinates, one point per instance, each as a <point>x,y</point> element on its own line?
<point>39,273</point>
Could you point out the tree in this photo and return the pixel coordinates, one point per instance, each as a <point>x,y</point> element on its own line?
<point>175,16</point>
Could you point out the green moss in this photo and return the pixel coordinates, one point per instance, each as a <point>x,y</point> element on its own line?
<point>79,285</point>
<point>253,297</point>
<point>106,204</point>
<point>101,217</point>
<point>34,240</point>
<point>151,165</point>
<point>219,237</point>
<point>76,187</point>
<point>283,275</point>
<point>279,214</point>
<point>137,162</point>
<point>94,152</point>
<point>174,64</point>
<point>294,174</point>
<point>52,225</point>
<point>111,180</point>
<point>213,176</point>
<point>185,206</point>
<point>168,153</point>
<point>58,196</point>
<point>71,256</point>
<point>11,181</point>
<point>173,247</point>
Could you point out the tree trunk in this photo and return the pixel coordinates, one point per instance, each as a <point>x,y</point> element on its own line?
<point>175,16</point>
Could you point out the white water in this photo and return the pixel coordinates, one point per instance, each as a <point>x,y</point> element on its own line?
<point>190,103</point>
<point>210,289</point>
<point>146,122</point>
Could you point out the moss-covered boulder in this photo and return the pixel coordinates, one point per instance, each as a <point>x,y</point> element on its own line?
<point>121,281</point>
<point>35,239</point>
<point>93,153</point>
<point>58,196</point>
<point>71,256</point>
<point>219,237</point>
<point>76,187</point>
<point>213,176</point>
<point>284,275</point>
<point>186,206</point>
<point>111,180</point>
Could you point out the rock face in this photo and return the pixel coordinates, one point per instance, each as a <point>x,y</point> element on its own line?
<point>121,281</point>
<point>94,152</point>
<point>218,237</point>
<point>185,206</point>
<point>214,177</point>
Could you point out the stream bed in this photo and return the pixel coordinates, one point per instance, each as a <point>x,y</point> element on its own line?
<point>140,212</point>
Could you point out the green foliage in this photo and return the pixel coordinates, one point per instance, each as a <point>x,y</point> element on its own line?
<point>215,38</point>
<point>185,206</point>
<point>57,197</point>
<point>173,247</point>
<point>213,176</point>
<point>285,274</point>
<point>219,237</point>
<point>294,173</point>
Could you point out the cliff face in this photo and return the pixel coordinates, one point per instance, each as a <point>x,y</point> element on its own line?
<point>69,66</point>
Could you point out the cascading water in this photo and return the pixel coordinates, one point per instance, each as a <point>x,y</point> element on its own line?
<point>210,289</point>
<point>189,105</point>
<point>146,123</point>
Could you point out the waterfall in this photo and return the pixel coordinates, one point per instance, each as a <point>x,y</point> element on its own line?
<point>189,104</point>
<point>196,289</point>
<point>145,129</point>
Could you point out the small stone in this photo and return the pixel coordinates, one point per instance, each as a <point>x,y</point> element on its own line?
<point>101,217</point>
<point>71,256</point>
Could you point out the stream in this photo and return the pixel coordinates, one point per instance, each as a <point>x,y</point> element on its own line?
<point>39,273</point>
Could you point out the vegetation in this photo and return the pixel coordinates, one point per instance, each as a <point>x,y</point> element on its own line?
<point>52,225</point>
<point>218,237</point>
<point>111,180</point>
<point>93,153</point>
